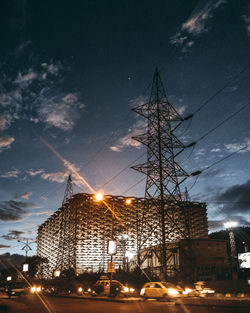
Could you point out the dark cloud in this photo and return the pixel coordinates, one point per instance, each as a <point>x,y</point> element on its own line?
<point>13,235</point>
<point>4,246</point>
<point>13,210</point>
<point>236,199</point>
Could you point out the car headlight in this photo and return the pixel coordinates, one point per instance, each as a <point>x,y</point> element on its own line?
<point>89,290</point>
<point>207,291</point>
<point>172,292</point>
<point>79,289</point>
<point>38,289</point>
<point>131,289</point>
<point>126,289</point>
<point>142,291</point>
<point>33,289</point>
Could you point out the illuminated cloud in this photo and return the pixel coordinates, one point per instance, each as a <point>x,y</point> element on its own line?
<point>60,111</point>
<point>33,94</point>
<point>25,195</point>
<point>196,24</point>
<point>11,174</point>
<point>32,172</point>
<point>234,147</point>
<point>58,177</point>
<point>24,80</point>
<point>5,142</point>
<point>126,141</point>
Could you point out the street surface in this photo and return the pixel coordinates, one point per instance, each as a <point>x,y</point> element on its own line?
<point>32,304</point>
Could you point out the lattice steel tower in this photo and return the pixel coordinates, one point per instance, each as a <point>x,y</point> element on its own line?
<point>164,174</point>
<point>67,230</point>
<point>68,190</point>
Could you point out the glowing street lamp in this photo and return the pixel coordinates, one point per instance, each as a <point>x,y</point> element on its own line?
<point>128,201</point>
<point>129,255</point>
<point>57,273</point>
<point>99,197</point>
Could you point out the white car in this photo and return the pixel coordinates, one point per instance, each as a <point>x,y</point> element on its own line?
<point>159,290</point>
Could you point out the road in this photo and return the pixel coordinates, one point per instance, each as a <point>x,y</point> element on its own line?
<point>32,304</point>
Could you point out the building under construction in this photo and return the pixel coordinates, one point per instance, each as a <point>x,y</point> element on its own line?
<point>76,235</point>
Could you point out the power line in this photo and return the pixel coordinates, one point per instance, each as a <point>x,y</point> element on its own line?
<point>121,171</point>
<point>124,192</point>
<point>223,122</point>
<point>221,89</point>
<point>219,161</point>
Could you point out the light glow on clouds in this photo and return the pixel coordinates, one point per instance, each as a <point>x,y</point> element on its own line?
<point>126,141</point>
<point>32,172</point>
<point>196,24</point>
<point>33,95</point>
<point>25,195</point>
<point>233,147</point>
<point>58,177</point>
<point>5,142</point>
<point>11,174</point>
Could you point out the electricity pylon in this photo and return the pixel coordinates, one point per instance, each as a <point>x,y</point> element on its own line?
<point>164,174</point>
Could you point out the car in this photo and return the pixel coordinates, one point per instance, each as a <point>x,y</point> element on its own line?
<point>16,289</point>
<point>202,290</point>
<point>160,290</point>
<point>102,287</point>
<point>36,289</point>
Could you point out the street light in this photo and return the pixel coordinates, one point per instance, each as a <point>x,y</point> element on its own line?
<point>128,201</point>
<point>57,273</point>
<point>99,197</point>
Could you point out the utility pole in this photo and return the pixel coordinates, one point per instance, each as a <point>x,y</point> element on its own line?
<point>164,174</point>
<point>26,246</point>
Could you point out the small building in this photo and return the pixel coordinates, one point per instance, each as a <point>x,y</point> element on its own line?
<point>189,259</point>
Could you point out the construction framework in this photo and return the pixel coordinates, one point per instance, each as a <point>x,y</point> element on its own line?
<point>76,235</point>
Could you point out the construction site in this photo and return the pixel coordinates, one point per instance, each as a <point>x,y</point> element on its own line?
<point>76,235</point>
<point>159,232</point>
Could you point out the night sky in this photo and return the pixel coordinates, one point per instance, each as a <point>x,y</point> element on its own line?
<point>70,72</point>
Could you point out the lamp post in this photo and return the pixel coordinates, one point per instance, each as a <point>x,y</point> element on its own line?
<point>112,243</point>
